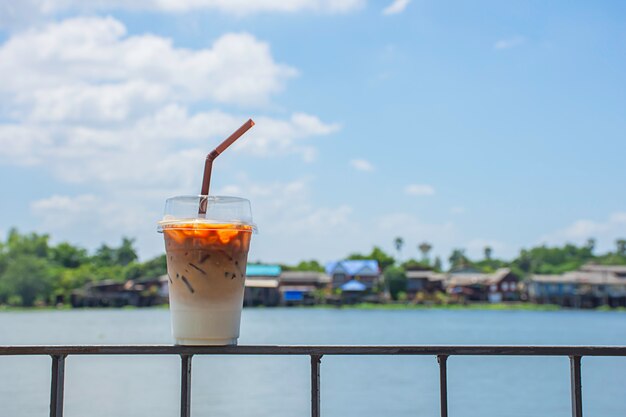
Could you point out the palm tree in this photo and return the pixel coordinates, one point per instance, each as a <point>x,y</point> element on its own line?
<point>425,247</point>
<point>398,243</point>
<point>457,259</point>
<point>488,252</point>
<point>621,247</point>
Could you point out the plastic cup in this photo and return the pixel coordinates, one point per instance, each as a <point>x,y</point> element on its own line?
<point>206,263</point>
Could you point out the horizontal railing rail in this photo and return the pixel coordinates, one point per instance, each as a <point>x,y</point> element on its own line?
<point>186,353</point>
<point>465,350</point>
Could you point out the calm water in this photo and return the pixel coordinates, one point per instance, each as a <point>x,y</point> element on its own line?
<point>351,386</point>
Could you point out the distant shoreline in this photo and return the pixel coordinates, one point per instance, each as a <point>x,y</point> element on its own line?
<point>359,306</point>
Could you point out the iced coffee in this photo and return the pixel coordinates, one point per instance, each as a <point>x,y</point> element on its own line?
<point>206,266</point>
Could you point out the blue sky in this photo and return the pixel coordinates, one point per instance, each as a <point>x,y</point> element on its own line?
<point>464,125</point>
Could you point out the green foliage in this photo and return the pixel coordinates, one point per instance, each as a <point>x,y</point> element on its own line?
<point>123,255</point>
<point>377,254</point>
<point>458,260</point>
<point>33,271</point>
<point>311,265</point>
<point>553,260</point>
<point>437,264</point>
<point>395,279</point>
<point>68,256</point>
<point>30,244</point>
<point>26,279</point>
<point>415,265</point>
<point>154,267</point>
<point>398,243</point>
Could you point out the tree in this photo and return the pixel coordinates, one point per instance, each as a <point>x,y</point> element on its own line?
<point>488,252</point>
<point>105,256</point>
<point>458,260</point>
<point>123,255</point>
<point>591,244</point>
<point>398,243</point>
<point>384,260</point>
<point>415,265</point>
<point>395,280</point>
<point>126,253</point>
<point>425,248</point>
<point>31,244</point>
<point>621,247</point>
<point>437,264</point>
<point>68,256</point>
<point>26,279</point>
<point>311,265</point>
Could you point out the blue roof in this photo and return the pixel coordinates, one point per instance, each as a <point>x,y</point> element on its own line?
<point>353,267</point>
<point>353,286</point>
<point>256,270</point>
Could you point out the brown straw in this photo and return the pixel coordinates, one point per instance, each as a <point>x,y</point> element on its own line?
<point>208,164</point>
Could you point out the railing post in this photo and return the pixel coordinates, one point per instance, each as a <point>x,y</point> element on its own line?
<point>443,384</point>
<point>185,385</point>
<point>56,385</point>
<point>577,398</point>
<point>315,385</point>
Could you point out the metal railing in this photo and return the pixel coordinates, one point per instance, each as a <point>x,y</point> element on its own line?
<point>60,353</point>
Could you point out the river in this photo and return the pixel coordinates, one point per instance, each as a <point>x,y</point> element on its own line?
<point>351,386</point>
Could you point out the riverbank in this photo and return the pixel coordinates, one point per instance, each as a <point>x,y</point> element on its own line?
<point>358,306</point>
<point>473,306</point>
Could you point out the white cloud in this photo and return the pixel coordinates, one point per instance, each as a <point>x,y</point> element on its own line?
<point>442,236</point>
<point>163,149</point>
<point>605,232</point>
<point>291,225</point>
<point>398,6</point>
<point>509,43</point>
<point>362,165</point>
<point>277,137</point>
<point>93,219</point>
<point>13,13</point>
<point>457,210</point>
<point>86,99</point>
<point>419,189</point>
<point>89,68</point>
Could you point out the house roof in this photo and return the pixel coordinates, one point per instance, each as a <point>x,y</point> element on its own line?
<point>300,288</point>
<point>354,267</point>
<point>617,269</point>
<point>304,276</point>
<point>261,283</point>
<point>580,277</point>
<point>428,275</point>
<point>353,285</point>
<point>258,270</point>
<point>473,278</point>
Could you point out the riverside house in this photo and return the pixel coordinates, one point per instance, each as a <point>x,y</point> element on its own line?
<point>591,286</point>
<point>502,285</point>
<point>298,287</point>
<point>428,282</point>
<point>365,271</point>
<point>262,283</point>
<point>143,292</point>
<point>270,285</point>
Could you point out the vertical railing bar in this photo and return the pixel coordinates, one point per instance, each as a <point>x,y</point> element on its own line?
<point>57,385</point>
<point>315,385</point>
<point>443,383</point>
<point>576,380</point>
<point>185,385</point>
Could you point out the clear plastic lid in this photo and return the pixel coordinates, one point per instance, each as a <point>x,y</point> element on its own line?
<point>219,210</point>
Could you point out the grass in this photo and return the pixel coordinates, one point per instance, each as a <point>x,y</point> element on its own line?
<point>473,306</point>
<point>360,306</point>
